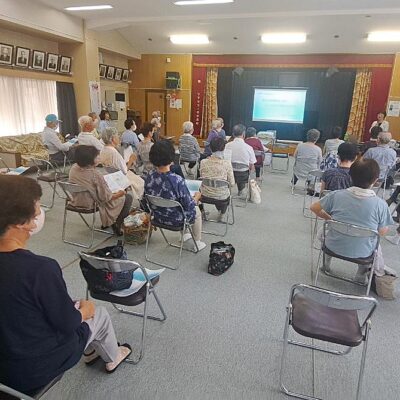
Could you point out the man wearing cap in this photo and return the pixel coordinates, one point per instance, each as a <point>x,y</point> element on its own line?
<point>51,140</point>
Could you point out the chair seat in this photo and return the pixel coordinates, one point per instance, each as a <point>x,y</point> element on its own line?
<point>81,210</point>
<point>362,260</point>
<point>51,177</point>
<point>210,200</point>
<point>320,322</point>
<point>130,301</point>
<point>168,227</point>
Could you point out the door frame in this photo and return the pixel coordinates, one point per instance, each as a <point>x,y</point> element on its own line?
<point>146,99</point>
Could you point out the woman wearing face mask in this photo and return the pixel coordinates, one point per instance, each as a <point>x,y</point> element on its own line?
<point>43,333</point>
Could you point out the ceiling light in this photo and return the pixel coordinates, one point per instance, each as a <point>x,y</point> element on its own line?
<point>384,36</point>
<point>189,39</point>
<point>89,8</point>
<point>200,2</point>
<point>273,38</point>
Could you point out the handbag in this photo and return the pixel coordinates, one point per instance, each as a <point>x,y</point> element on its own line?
<point>104,280</point>
<point>384,286</point>
<point>255,192</point>
<point>222,256</point>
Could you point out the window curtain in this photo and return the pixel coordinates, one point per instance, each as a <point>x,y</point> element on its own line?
<point>24,103</point>
<point>210,102</point>
<point>359,105</point>
<point>67,113</point>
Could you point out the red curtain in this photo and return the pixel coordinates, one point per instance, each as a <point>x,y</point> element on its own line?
<point>199,80</point>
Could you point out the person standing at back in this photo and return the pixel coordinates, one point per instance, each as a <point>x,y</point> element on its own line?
<point>380,121</point>
<point>216,131</point>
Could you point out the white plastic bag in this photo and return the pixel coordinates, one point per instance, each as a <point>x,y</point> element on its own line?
<point>255,192</point>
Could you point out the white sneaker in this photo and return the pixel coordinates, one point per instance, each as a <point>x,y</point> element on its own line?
<point>395,239</point>
<point>187,236</point>
<point>200,245</point>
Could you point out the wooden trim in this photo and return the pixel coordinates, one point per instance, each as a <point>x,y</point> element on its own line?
<point>294,65</point>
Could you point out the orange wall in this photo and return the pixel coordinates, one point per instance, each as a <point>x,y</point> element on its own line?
<point>394,94</point>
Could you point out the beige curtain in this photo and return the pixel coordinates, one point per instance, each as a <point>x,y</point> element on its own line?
<point>359,105</point>
<point>210,110</point>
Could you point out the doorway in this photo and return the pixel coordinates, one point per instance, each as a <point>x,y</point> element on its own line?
<point>156,101</point>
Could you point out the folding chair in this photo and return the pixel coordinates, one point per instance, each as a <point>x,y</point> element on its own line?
<point>71,190</point>
<point>312,180</point>
<point>156,204</point>
<point>7,393</point>
<point>329,317</point>
<point>348,231</point>
<point>239,167</point>
<point>301,168</point>
<point>380,184</point>
<point>186,167</point>
<point>219,184</point>
<point>260,153</point>
<point>50,173</point>
<point>280,151</point>
<point>138,298</point>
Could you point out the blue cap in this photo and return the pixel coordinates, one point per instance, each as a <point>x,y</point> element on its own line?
<point>52,118</point>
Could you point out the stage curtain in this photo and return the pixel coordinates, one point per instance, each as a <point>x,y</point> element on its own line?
<point>359,105</point>
<point>210,101</point>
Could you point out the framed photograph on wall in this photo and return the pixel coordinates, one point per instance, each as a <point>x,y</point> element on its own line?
<point>52,62</point>
<point>118,74</point>
<point>102,70</point>
<point>110,72</point>
<point>65,65</point>
<point>38,58</point>
<point>125,75</point>
<point>6,54</point>
<point>22,56</point>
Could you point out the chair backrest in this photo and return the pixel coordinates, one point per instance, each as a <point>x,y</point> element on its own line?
<point>110,264</point>
<point>42,164</point>
<point>339,301</point>
<point>350,229</point>
<point>239,166</point>
<point>303,166</point>
<point>259,153</point>
<point>155,202</point>
<point>71,189</point>
<point>215,183</point>
<point>315,173</point>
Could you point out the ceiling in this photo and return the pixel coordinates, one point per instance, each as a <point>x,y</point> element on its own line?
<point>147,24</point>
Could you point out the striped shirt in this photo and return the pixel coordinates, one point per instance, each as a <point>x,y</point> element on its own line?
<point>189,149</point>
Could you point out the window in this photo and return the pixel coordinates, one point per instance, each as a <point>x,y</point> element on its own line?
<point>24,103</point>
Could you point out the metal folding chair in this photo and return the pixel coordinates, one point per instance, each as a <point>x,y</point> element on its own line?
<point>71,190</point>
<point>239,167</point>
<point>136,299</point>
<point>49,173</point>
<point>380,185</point>
<point>348,231</point>
<point>329,317</point>
<point>156,204</point>
<point>280,151</point>
<point>312,180</point>
<point>259,153</point>
<point>219,184</point>
<point>301,168</point>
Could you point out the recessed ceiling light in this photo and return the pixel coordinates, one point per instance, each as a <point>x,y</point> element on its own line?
<point>200,2</point>
<point>89,8</point>
<point>384,36</point>
<point>273,38</point>
<point>189,39</point>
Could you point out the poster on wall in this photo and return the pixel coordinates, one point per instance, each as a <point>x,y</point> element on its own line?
<point>95,96</point>
<point>393,109</point>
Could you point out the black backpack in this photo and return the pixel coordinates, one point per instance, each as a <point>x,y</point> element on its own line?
<point>222,256</point>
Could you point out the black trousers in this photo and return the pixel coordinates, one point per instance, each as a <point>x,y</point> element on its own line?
<point>125,210</point>
<point>241,179</point>
<point>220,205</point>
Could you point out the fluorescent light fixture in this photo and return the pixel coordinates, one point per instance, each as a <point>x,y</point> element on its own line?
<point>384,36</point>
<point>200,2</point>
<point>89,8</point>
<point>276,38</point>
<point>189,39</point>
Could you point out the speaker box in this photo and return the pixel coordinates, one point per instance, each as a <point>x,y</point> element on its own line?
<point>173,80</point>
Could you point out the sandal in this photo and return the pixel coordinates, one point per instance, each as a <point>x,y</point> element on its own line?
<point>114,367</point>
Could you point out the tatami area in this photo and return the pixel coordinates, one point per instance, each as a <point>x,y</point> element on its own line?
<point>223,335</point>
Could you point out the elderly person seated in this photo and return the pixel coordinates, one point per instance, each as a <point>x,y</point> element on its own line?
<point>373,141</point>
<point>339,178</point>
<point>43,332</point>
<point>161,182</point>
<point>215,167</point>
<point>57,150</point>
<point>357,205</point>
<point>156,122</point>
<point>243,154</point>
<point>384,156</point>
<point>113,207</point>
<point>129,136</point>
<point>332,145</point>
<point>86,136</point>
<point>253,141</point>
<point>189,149</point>
<point>216,131</point>
<point>308,156</point>
<point>143,148</point>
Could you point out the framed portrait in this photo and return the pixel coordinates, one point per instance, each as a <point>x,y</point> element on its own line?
<point>22,56</point>
<point>125,75</point>
<point>118,74</point>
<point>52,62</point>
<point>38,58</point>
<point>65,65</point>
<point>6,54</point>
<point>110,72</point>
<point>102,70</point>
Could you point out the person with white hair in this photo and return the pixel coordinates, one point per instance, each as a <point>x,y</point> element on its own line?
<point>383,155</point>
<point>95,119</point>
<point>189,149</point>
<point>216,131</point>
<point>156,122</point>
<point>86,136</point>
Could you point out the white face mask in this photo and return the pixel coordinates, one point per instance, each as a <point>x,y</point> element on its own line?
<point>39,222</point>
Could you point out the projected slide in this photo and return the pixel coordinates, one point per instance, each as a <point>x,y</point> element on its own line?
<point>279,105</point>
